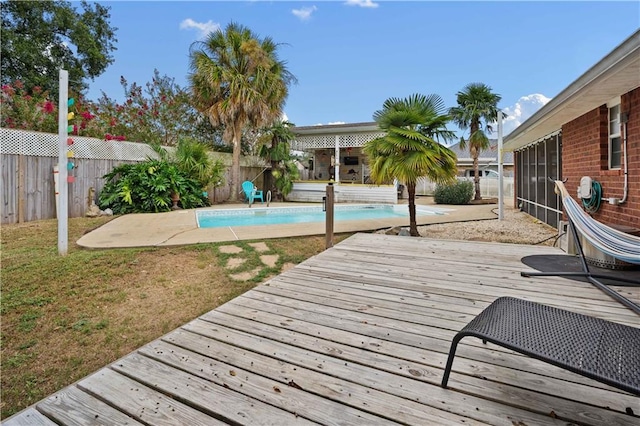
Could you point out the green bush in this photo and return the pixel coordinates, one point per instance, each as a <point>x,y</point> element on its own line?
<point>459,192</point>
<point>147,187</point>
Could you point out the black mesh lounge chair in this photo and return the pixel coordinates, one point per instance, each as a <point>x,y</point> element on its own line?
<point>602,350</point>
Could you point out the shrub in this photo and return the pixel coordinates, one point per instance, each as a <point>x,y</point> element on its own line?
<point>459,192</point>
<point>147,187</point>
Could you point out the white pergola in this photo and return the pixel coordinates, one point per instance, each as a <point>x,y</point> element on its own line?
<point>336,141</point>
<point>336,137</point>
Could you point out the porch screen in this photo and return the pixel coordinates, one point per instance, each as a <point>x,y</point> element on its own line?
<point>534,191</point>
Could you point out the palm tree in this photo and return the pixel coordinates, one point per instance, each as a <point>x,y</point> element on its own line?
<point>275,148</point>
<point>410,149</point>
<point>238,80</point>
<point>477,108</point>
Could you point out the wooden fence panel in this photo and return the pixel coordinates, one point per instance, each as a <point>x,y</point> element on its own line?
<point>39,190</point>
<point>9,185</point>
<point>27,181</point>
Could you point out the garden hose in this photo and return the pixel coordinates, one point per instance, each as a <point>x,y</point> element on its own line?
<point>592,204</point>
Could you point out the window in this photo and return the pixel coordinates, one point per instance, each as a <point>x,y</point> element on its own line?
<point>615,146</point>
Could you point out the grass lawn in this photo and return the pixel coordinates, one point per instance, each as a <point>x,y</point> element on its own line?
<point>65,317</point>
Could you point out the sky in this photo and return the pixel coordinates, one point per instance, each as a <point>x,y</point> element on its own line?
<point>350,56</point>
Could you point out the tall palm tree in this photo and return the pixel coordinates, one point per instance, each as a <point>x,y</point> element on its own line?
<point>275,148</point>
<point>409,150</point>
<point>238,80</point>
<point>477,109</point>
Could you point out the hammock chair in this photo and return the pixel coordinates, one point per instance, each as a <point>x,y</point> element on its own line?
<point>615,243</point>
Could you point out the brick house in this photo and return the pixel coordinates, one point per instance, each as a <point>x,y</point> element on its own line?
<point>591,128</point>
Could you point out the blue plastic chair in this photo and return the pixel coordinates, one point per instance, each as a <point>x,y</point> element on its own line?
<point>251,192</point>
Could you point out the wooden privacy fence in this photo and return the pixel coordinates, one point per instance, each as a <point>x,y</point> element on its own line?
<point>27,180</point>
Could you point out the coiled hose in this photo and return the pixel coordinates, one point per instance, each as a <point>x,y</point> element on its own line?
<point>592,204</point>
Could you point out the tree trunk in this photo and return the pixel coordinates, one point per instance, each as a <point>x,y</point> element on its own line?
<point>235,165</point>
<point>413,225</point>
<point>476,174</point>
<point>268,183</point>
<point>474,155</point>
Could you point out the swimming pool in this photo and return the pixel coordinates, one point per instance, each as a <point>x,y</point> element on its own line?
<point>256,216</point>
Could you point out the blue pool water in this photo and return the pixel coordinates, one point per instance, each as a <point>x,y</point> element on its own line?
<point>280,215</point>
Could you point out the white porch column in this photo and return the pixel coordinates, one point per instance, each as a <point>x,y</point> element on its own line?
<point>337,161</point>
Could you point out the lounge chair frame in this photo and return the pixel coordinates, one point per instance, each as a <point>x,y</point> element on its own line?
<point>602,350</point>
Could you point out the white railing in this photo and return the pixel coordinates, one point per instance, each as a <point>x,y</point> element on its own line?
<point>488,186</point>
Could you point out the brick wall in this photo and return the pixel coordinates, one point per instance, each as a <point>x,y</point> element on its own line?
<point>585,145</point>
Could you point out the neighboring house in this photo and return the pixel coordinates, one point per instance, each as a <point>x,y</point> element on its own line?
<point>591,128</point>
<point>487,161</point>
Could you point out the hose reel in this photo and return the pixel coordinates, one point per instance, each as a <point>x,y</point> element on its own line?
<point>590,192</point>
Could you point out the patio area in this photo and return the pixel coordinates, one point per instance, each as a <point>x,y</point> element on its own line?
<point>357,335</point>
<point>180,227</point>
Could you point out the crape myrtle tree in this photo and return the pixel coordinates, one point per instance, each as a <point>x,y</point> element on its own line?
<point>237,80</point>
<point>40,37</point>
<point>36,110</point>
<point>160,112</point>
<point>409,149</point>
<point>477,109</point>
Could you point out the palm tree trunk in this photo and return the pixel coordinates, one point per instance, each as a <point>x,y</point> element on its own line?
<point>413,225</point>
<point>476,173</point>
<point>476,169</point>
<point>235,165</point>
<point>268,182</point>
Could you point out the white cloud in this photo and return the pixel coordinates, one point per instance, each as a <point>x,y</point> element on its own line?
<point>361,3</point>
<point>330,123</point>
<point>524,108</point>
<point>304,13</point>
<point>284,116</point>
<point>204,28</point>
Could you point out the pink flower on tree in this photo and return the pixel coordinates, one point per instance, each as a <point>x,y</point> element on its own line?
<point>87,115</point>
<point>49,107</point>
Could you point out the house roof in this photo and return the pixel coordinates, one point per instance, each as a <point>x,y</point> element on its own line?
<point>332,129</point>
<point>486,157</point>
<point>616,74</point>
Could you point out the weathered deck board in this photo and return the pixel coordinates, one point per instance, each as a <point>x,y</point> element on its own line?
<point>29,417</point>
<point>345,393</point>
<point>325,358</point>
<point>434,355</point>
<point>357,335</point>
<point>71,406</point>
<point>422,365</point>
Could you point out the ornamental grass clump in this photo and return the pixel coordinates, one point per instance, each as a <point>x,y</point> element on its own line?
<point>456,193</point>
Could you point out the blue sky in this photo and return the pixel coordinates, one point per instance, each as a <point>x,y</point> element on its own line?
<point>350,56</point>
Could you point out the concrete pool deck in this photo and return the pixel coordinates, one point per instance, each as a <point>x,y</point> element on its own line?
<point>180,227</point>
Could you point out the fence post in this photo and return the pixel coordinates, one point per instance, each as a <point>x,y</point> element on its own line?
<point>22,165</point>
<point>329,201</point>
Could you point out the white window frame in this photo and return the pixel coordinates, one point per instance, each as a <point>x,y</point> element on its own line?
<point>616,122</point>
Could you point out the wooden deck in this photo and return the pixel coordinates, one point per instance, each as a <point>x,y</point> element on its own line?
<point>356,335</point>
